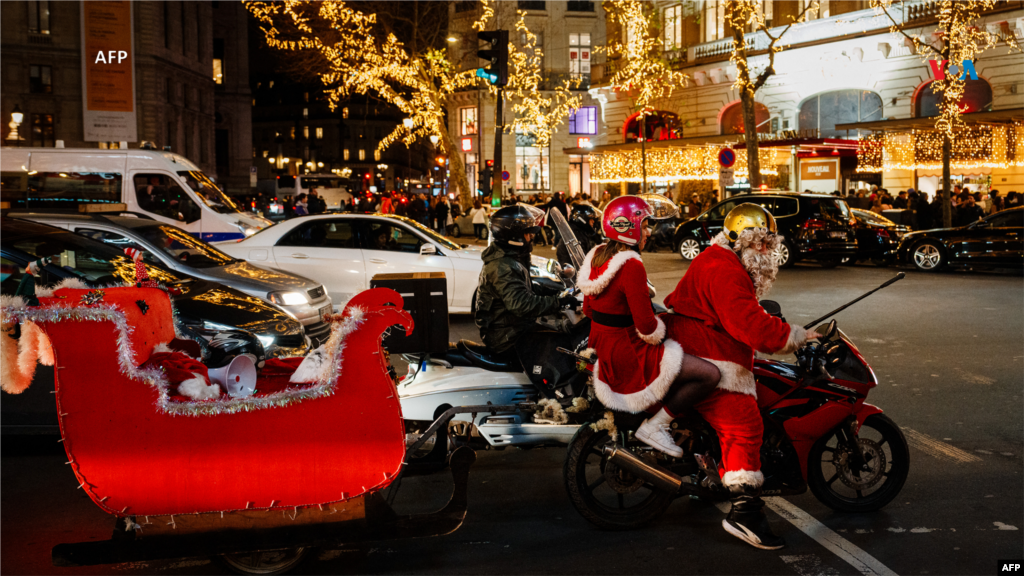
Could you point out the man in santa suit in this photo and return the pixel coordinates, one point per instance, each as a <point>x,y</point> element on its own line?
<point>717,317</point>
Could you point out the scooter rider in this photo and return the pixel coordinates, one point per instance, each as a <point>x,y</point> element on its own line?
<point>637,367</point>
<point>506,307</point>
<point>717,317</point>
<point>583,221</point>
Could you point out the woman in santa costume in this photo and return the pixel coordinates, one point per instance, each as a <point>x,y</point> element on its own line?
<point>637,367</point>
<point>717,315</point>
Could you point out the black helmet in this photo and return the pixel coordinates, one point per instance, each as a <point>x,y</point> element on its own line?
<point>509,224</point>
<point>581,213</point>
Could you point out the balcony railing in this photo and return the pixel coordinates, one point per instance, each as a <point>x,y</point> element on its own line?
<point>578,6</point>
<point>532,5</point>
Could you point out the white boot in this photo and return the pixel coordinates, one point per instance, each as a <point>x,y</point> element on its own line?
<point>655,433</point>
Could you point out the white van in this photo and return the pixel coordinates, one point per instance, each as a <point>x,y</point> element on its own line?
<point>330,187</point>
<point>161,185</point>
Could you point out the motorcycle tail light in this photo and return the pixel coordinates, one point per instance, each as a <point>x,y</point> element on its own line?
<point>814,224</point>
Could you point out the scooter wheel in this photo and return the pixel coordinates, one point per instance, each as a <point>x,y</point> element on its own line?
<point>608,497</point>
<point>833,480</point>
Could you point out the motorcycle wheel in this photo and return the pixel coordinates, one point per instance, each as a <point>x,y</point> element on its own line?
<point>608,497</point>
<point>268,562</point>
<point>888,461</point>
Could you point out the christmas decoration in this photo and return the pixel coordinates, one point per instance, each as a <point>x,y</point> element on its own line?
<point>141,273</point>
<point>92,297</point>
<point>142,306</point>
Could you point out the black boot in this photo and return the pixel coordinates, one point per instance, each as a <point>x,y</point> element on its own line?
<point>748,522</point>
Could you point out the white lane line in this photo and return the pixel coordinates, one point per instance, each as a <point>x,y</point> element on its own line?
<point>861,561</point>
<point>809,565</point>
<point>937,448</point>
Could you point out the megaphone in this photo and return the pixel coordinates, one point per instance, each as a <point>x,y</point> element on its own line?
<point>238,378</point>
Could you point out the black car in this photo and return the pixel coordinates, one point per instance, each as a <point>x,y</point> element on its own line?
<point>877,237</point>
<point>200,302</point>
<point>814,227</point>
<point>994,242</point>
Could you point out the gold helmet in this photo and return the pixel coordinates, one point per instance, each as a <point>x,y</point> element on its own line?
<point>747,216</point>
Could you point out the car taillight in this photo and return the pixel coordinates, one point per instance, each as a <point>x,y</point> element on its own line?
<point>814,224</point>
<point>883,233</point>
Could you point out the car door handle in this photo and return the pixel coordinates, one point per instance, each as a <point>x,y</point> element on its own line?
<point>378,261</point>
<point>300,256</point>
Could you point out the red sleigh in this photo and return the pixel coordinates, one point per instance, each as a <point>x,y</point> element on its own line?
<point>291,465</point>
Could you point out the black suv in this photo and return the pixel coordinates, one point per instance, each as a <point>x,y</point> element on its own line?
<point>814,227</point>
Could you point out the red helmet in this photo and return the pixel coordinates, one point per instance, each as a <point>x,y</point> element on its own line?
<point>624,217</point>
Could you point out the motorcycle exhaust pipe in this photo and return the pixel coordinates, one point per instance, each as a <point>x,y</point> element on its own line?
<point>662,479</point>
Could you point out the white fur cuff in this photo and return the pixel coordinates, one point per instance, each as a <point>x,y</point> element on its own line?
<point>797,338</point>
<point>736,480</point>
<point>196,388</point>
<point>654,338</point>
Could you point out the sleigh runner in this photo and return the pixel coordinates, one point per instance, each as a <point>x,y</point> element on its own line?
<point>299,462</point>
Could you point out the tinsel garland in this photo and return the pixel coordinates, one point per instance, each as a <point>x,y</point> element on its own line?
<point>101,312</point>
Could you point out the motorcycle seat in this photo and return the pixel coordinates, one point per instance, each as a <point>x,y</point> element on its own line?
<point>483,357</point>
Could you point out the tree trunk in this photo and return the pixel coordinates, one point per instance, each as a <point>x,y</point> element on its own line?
<point>947,189</point>
<point>457,168</point>
<point>750,137</point>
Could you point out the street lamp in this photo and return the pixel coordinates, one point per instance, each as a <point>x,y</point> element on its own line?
<point>16,118</point>
<point>434,138</point>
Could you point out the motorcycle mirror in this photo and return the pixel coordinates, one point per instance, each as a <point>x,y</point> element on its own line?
<point>772,307</point>
<point>554,267</point>
<point>831,331</point>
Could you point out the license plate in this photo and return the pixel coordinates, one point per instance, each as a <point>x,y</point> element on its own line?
<point>837,234</point>
<point>324,312</point>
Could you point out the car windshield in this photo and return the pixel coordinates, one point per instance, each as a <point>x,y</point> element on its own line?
<point>184,247</point>
<point>93,261</point>
<point>208,192</point>
<point>429,233</point>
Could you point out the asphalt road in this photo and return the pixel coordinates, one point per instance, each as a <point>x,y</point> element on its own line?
<point>948,351</point>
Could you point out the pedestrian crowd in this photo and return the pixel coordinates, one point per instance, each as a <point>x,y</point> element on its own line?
<point>924,212</point>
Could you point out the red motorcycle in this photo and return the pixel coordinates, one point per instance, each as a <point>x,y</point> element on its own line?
<point>819,433</point>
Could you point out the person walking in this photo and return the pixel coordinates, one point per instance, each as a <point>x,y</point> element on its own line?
<point>479,215</point>
<point>442,212</point>
<point>301,208</point>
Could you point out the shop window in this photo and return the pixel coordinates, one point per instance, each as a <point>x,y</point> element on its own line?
<point>40,80</point>
<point>468,121</point>
<point>161,195</point>
<point>42,130</point>
<point>823,111</point>
<point>977,98</point>
<point>583,121</point>
<point>732,118</point>
<point>532,164</point>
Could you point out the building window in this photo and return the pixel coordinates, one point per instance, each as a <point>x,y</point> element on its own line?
<point>345,154</point>
<point>583,121</point>
<point>825,110</point>
<point>376,155</point>
<point>579,56</point>
<point>181,22</point>
<point>977,97</point>
<point>39,16</point>
<point>305,112</point>
<point>265,153</point>
<point>732,118</point>
<point>344,112</point>
<point>467,121</point>
<point>218,60</point>
<point>578,6</point>
<point>291,132</point>
<point>673,25</point>
<point>305,132</point>
<point>39,80</point>
<point>362,154</point>
<point>167,24</point>
<point>319,133</point>
<point>466,6</point>
<point>714,20</point>
<point>532,165</point>
<point>42,130</point>
<point>532,5</point>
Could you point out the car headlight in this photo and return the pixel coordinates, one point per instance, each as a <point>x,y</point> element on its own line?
<point>267,341</point>
<point>288,298</point>
<point>246,229</point>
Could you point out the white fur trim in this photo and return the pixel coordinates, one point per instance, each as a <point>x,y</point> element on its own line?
<point>654,338</point>
<point>12,303</point>
<point>735,480</point>
<point>597,285</point>
<point>11,379</point>
<point>73,283</point>
<point>311,368</point>
<point>671,362</point>
<point>162,349</point>
<point>797,338</point>
<point>735,378</point>
<point>197,389</point>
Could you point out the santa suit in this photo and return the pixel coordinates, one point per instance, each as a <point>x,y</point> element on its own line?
<point>635,367</point>
<point>718,318</point>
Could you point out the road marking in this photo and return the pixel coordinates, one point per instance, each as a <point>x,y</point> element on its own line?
<point>937,448</point>
<point>851,554</point>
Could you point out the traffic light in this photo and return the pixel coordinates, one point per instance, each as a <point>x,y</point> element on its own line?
<point>486,175</point>
<point>441,160</point>
<point>497,54</point>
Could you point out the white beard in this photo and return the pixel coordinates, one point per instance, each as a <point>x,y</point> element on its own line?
<point>762,267</point>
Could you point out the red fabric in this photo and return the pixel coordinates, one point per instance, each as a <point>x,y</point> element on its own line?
<point>627,363</point>
<point>133,458</point>
<point>177,367</point>
<point>726,321</point>
<point>736,419</point>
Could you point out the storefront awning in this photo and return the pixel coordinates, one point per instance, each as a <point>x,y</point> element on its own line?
<point>903,124</point>
<point>723,140</point>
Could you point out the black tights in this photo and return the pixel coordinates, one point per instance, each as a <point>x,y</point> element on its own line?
<point>696,379</point>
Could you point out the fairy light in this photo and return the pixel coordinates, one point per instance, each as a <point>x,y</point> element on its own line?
<point>972,147</point>
<point>673,165</point>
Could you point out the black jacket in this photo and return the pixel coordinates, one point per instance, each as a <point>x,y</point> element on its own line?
<point>506,307</point>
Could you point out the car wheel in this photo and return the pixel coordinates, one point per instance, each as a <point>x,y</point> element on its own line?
<point>785,255</point>
<point>455,231</point>
<point>928,256</point>
<point>689,249</point>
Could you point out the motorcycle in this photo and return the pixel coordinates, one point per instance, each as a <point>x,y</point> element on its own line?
<point>819,433</point>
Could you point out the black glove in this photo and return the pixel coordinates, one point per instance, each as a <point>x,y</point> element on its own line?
<point>568,301</point>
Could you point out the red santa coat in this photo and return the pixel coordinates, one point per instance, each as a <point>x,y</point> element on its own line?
<point>719,319</point>
<point>635,366</point>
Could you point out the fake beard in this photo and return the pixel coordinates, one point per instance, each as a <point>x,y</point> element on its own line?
<point>763,267</point>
